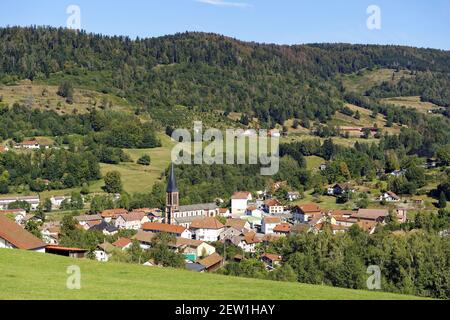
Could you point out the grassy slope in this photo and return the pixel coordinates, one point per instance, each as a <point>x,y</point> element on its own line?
<point>31,93</point>
<point>27,275</point>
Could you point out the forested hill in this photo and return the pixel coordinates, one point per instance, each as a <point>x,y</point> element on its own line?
<point>271,82</point>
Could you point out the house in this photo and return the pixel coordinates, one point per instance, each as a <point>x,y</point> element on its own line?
<point>323,167</point>
<point>111,215</point>
<point>398,173</point>
<point>282,229</point>
<point>254,212</point>
<point>273,206</point>
<point>177,231</point>
<point>389,196</point>
<point>29,144</point>
<point>33,201</point>
<point>304,212</point>
<point>91,224</point>
<point>207,229</point>
<point>13,236</point>
<point>18,214</point>
<point>377,215</point>
<point>144,239</point>
<point>292,196</point>
<point>50,234</point>
<point>247,242</point>
<point>67,252</point>
<point>57,201</point>
<point>131,221</point>
<point>212,262</point>
<point>339,189</point>
<point>238,224</point>
<point>106,228</point>
<point>104,251</point>
<point>122,243</point>
<point>269,223</point>
<point>418,201</point>
<point>83,220</point>
<point>187,214</point>
<point>193,249</point>
<point>271,260</point>
<point>239,203</point>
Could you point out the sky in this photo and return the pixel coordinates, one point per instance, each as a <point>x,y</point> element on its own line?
<point>419,23</point>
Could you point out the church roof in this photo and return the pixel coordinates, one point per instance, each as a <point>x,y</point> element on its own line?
<point>171,183</point>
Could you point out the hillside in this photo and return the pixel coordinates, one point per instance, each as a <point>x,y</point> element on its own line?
<point>29,275</point>
<point>206,71</point>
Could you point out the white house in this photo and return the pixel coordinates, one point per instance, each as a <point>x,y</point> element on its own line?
<point>292,196</point>
<point>13,236</point>
<point>239,203</point>
<point>57,201</point>
<point>29,144</point>
<point>269,223</point>
<point>207,229</point>
<point>273,206</point>
<point>131,221</point>
<point>254,212</point>
<point>389,196</point>
<point>103,252</point>
<point>33,201</point>
<point>248,242</point>
<point>85,219</point>
<point>123,243</point>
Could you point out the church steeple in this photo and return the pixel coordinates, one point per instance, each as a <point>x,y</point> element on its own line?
<point>172,197</point>
<point>171,183</point>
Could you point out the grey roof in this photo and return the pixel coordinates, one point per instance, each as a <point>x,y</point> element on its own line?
<point>188,219</point>
<point>104,226</point>
<point>195,267</point>
<point>171,183</point>
<point>201,206</point>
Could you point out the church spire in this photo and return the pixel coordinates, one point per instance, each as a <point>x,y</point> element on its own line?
<point>172,198</point>
<point>171,183</point>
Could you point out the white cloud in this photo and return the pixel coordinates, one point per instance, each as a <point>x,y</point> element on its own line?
<point>223,3</point>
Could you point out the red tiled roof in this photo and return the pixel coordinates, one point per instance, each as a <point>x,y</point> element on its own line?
<point>238,224</point>
<point>211,260</point>
<point>29,142</point>
<point>272,203</point>
<point>272,257</point>
<point>121,242</point>
<point>133,216</point>
<point>163,227</point>
<point>283,227</point>
<point>207,223</point>
<point>241,195</point>
<point>17,236</point>
<point>250,238</point>
<point>370,214</point>
<point>113,213</point>
<point>310,207</point>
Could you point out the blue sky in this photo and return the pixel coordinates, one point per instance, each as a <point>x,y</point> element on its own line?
<point>408,22</point>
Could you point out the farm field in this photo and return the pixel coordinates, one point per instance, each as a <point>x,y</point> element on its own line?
<point>29,275</point>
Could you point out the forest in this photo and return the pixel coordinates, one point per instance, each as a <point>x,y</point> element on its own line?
<point>270,82</point>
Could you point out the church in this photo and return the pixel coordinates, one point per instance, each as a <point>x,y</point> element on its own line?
<point>184,215</point>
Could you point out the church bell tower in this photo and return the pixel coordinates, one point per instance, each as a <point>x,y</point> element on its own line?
<point>172,198</point>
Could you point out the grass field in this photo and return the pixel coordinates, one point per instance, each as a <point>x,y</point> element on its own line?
<point>412,102</point>
<point>28,275</point>
<point>364,80</point>
<point>44,97</point>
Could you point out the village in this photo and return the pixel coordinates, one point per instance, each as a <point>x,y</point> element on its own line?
<point>250,223</point>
